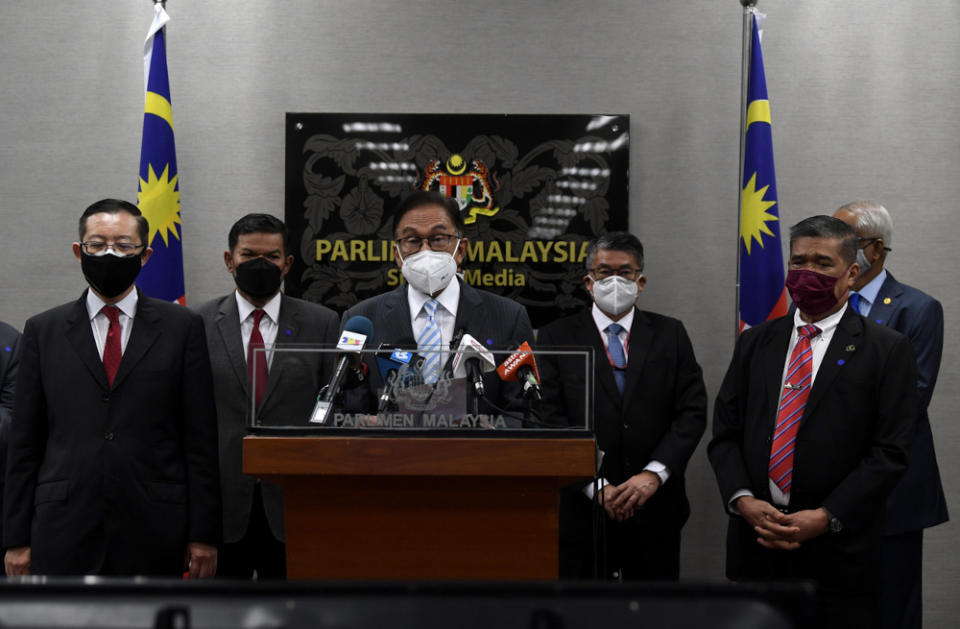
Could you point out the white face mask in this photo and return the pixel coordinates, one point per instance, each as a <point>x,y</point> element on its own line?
<point>614,295</point>
<point>429,271</point>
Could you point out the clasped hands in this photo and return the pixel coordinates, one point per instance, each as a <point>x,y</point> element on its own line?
<point>622,501</point>
<point>782,531</point>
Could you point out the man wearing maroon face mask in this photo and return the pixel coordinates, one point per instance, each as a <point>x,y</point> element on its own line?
<point>812,426</point>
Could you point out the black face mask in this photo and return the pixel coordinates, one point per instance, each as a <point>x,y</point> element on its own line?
<point>109,274</point>
<point>258,278</point>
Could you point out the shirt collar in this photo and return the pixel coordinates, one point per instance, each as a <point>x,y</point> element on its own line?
<point>827,325</point>
<point>127,305</point>
<point>602,320</point>
<point>872,289</point>
<point>449,298</point>
<point>271,308</point>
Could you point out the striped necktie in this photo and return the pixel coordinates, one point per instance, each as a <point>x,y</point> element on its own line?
<point>796,390</point>
<point>428,343</point>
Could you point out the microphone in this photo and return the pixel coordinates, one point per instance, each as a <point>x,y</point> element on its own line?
<point>391,359</point>
<point>521,367</point>
<point>472,360</point>
<point>447,371</point>
<point>352,341</point>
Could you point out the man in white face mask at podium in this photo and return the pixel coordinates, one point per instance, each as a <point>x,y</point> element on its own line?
<point>649,412</point>
<point>432,306</point>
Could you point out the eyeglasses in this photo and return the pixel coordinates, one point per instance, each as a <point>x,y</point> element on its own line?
<point>96,247</point>
<point>436,242</point>
<point>870,241</point>
<point>626,272</point>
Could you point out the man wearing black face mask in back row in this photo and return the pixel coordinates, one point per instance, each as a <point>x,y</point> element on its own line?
<point>284,384</point>
<point>112,462</point>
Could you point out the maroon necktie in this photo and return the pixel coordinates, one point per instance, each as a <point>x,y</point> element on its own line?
<point>796,390</point>
<point>258,371</point>
<point>111,350</point>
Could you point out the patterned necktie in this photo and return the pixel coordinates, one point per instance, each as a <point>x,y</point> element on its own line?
<point>428,343</point>
<point>615,347</point>
<point>112,352</point>
<point>855,302</point>
<point>257,361</point>
<point>796,390</point>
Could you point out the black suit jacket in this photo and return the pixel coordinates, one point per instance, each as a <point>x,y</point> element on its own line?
<point>493,320</point>
<point>917,501</point>
<point>293,382</point>
<point>9,358</point>
<point>663,412</point>
<point>112,478</point>
<point>850,450</point>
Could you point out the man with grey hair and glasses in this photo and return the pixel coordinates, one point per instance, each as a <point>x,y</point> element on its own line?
<point>917,502</point>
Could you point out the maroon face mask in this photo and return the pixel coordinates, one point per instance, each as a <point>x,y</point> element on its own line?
<point>812,292</point>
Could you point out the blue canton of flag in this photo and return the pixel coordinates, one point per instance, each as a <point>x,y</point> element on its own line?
<point>159,193</point>
<point>762,293</point>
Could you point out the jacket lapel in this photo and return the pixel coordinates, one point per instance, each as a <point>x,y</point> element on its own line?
<point>774,352</point>
<point>842,347</point>
<point>588,335</point>
<point>228,327</point>
<point>288,329</point>
<point>396,311</point>
<point>888,300</point>
<point>144,333</point>
<point>641,338</point>
<point>471,315</point>
<point>80,336</point>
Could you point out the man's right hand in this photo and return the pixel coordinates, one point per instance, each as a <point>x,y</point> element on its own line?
<point>767,521</point>
<point>609,495</point>
<point>17,561</point>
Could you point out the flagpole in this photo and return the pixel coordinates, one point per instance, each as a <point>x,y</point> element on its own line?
<point>748,6</point>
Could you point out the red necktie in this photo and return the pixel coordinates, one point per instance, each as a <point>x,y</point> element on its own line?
<point>258,371</point>
<point>796,390</point>
<point>111,350</point>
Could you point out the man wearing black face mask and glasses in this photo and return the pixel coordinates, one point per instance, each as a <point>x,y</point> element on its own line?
<point>112,466</point>
<point>283,383</point>
<point>811,431</point>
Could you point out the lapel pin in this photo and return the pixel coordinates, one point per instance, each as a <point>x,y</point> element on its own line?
<point>887,300</point>
<point>289,332</point>
<point>880,321</point>
<point>841,361</point>
<point>851,348</point>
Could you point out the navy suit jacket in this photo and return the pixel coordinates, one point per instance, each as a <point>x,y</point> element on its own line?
<point>851,447</point>
<point>116,479</point>
<point>917,501</point>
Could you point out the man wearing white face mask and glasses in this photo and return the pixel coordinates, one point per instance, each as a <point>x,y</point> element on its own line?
<point>649,414</point>
<point>433,305</point>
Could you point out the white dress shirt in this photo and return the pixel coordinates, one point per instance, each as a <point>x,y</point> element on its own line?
<point>101,324</point>
<point>446,315</point>
<point>818,345</point>
<point>602,321</point>
<point>268,324</point>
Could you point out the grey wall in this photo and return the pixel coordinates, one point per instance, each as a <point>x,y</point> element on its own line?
<point>863,96</point>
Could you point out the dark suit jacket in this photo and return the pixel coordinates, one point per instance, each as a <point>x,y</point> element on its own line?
<point>117,479</point>
<point>917,501</point>
<point>663,412</point>
<point>9,358</point>
<point>493,320</point>
<point>292,386</point>
<point>851,448</point>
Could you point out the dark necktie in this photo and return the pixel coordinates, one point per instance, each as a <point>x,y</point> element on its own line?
<point>796,390</point>
<point>112,352</point>
<point>257,361</point>
<point>855,302</point>
<point>617,357</point>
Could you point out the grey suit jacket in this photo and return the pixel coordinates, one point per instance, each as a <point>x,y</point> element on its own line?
<point>292,386</point>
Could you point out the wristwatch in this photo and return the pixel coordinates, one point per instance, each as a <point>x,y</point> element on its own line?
<point>835,524</point>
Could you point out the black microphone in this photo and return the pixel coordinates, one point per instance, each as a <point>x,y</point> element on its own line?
<point>390,360</point>
<point>352,341</point>
<point>447,371</point>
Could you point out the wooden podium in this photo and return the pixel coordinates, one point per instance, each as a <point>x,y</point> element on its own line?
<point>428,508</point>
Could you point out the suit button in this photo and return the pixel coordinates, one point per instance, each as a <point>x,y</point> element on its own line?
<point>108,436</point>
<point>626,426</point>
<point>106,397</point>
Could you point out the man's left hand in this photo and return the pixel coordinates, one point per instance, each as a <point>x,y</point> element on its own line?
<point>201,560</point>
<point>805,525</point>
<point>635,491</point>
